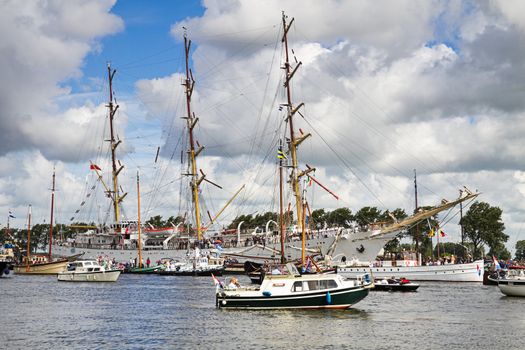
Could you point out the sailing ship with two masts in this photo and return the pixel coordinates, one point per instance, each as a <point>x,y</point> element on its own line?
<point>42,264</point>
<point>121,241</point>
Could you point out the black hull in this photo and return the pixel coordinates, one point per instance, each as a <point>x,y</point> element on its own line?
<point>409,287</point>
<point>192,273</point>
<point>5,268</point>
<point>339,299</point>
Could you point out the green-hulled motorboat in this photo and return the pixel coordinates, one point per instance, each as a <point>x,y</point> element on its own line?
<point>285,288</point>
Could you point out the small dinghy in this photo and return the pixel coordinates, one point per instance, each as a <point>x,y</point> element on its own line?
<point>395,285</point>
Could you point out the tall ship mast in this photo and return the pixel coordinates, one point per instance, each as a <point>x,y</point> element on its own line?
<point>191,122</point>
<point>114,194</point>
<point>295,141</point>
<point>197,176</point>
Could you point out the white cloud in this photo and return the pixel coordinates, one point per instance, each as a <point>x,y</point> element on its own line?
<point>390,86</point>
<point>46,45</point>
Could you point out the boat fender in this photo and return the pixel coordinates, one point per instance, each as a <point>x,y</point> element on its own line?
<point>267,294</point>
<point>328,298</point>
<point>367,278</point>
<point>6,271</point>
<point>223,302</point>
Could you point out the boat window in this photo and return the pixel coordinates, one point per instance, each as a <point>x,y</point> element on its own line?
<point>292,269</point>
<point>331,284</point>
<point>327,284</point>
<point>313,285</point>
<point>297,286</point>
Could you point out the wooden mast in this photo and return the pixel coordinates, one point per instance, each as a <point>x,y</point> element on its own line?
<point>191,121</point>
<point>415,211</point>
<point>138,221</point>
<point>281,216</point>
<point>52,212</point>
<point>28,255</point>
<point>114,144</point>
<point>294,141</point>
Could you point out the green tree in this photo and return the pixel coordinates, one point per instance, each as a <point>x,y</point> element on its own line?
<point>520,250</point>
<point>392,246</point>
<point>339,217</point>
<point>482,225</point>
<point>367,215</point>
<point>155,221</point>
<point>318,218</point>
<point>500,251</point>
<point>246,218</point>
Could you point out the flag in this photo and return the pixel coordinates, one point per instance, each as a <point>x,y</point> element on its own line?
<point>441,233</point>
<point>308,264</point>
<point>94,167</point>
<point>280,153</point>
<point>11,214</point>
<point>216,281</point>
<point>496,263</point>
<point>309,179</point>
<point>431,233</point>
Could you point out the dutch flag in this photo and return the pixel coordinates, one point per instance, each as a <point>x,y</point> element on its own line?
<point>217,282</point>
<point>496,263</point>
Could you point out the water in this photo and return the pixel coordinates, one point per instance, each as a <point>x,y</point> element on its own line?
<point>168,312</point>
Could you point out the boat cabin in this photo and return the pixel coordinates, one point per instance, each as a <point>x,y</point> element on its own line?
<point>84,266</point>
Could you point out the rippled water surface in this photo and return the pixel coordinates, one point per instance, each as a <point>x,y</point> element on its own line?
<point>167,312</point>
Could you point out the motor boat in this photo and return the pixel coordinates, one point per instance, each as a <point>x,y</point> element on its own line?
<point>285,288</point>
<point>395,285</point>
<point>88,271</point>
<point>513,283</point>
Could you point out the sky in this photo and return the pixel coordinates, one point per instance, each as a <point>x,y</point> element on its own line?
<point>388,87</point>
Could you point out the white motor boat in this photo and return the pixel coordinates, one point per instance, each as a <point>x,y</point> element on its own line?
<point>513,283</point>
<point>200,264</point>
<point>411,269</point>
<point>88,271</point>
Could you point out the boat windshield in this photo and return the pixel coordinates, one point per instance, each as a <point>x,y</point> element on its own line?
<point>516,273</point>
<point>281,269</point>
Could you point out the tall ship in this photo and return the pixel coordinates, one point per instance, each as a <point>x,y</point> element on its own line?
<point>120,240</point>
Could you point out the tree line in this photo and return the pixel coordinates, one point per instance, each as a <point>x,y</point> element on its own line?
<point>482,226</point>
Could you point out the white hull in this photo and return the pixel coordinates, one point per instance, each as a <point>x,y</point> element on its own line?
<point>101,276</point>
<point>471,272</point>
<point>354,246</point>
<point>512,290</point>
